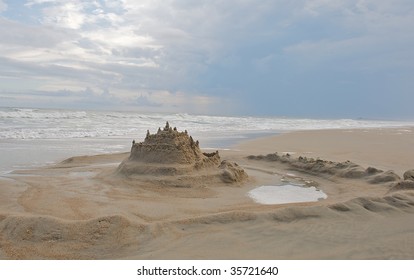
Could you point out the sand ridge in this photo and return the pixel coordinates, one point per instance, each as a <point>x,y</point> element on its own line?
<point>320,167</point>
<point>109,237</point>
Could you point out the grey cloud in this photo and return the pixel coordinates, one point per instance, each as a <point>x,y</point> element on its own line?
<point>199,46</point>
<point>3,6</point>
<point>11,67</point>
<point>145,102</point>
<point>19,34</point>
<point>190,39</point>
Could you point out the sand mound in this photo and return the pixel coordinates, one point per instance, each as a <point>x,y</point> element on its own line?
<point>403,185</point>
<point>406,184</point>
<point>170,153</point>
<point>409,175</point>
<point>231,172</point>
<point>346,169</point>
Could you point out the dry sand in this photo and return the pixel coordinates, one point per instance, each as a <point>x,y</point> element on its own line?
<point>82,209</point>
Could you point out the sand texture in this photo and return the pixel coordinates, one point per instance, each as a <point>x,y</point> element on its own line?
<point>166,199</point>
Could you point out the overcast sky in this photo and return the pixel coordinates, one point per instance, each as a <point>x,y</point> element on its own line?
<point>314,58</point>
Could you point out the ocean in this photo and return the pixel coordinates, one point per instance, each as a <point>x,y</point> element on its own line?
<point>37,137</point>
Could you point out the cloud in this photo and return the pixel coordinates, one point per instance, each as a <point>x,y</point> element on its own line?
<point>319,7</point>
<point>147,44</point>
<point>68,15</point>
<point>365,32</point>
<point>146,101</point>
<point>3,6</point>
<point>174,55</point>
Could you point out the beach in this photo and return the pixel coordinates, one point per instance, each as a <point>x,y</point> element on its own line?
<point>81,208</point>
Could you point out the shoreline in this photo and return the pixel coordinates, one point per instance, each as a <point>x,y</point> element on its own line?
<point>47,152</point>
<point>80,208</point>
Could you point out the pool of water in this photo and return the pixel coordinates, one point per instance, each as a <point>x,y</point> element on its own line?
<point>286,194</point>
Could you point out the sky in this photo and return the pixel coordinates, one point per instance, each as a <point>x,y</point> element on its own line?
<point>313,58</point>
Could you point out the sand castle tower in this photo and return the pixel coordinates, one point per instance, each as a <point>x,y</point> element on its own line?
<point>171,152</point>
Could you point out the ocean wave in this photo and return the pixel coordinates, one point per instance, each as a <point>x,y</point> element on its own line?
<point>20,123</point>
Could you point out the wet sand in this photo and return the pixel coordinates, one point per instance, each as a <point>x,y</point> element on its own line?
<point>82,209</point>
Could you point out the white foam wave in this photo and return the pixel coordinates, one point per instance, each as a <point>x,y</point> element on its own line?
<point>19,123</point>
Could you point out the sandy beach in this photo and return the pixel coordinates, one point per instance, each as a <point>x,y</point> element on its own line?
<point>83,208</point>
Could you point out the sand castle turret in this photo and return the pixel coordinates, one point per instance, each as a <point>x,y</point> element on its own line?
<point>171,152</point>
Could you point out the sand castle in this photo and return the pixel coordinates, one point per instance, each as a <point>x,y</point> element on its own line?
<point>169,146</point>
<point>171,152</point>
